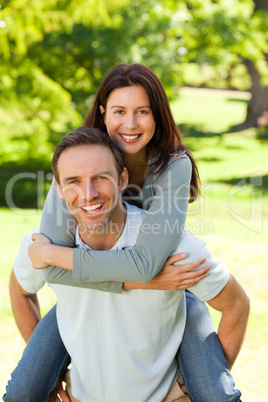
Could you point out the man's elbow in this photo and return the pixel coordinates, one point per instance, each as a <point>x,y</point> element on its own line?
<point>232,301</point>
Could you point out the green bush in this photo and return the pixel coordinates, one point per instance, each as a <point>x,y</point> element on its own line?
<point>262,133</point>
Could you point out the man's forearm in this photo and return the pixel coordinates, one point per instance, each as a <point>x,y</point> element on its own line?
<point>25,308</point>
<point>231,333</point>
<point>234,305</point>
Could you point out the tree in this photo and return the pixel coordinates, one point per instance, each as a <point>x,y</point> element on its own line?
<point>75,43</point>
<point>227,33</point>
<point>257,110</point>
<point>36,110</point>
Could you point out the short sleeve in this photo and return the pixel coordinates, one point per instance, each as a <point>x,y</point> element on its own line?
<point>30,279</point>
<point>209,287</point>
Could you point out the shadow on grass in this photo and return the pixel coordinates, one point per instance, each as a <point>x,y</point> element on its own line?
<point>236,100</point>
<point>258,183</point>
<point>209,159</point>
<point>197,131</point>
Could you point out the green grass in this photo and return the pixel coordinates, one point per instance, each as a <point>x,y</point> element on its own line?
<point>14,225</point>
<point>211,110</point>
<point>230,217</point>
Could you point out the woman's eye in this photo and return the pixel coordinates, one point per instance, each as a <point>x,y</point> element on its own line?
<point>143,112</point>
<point>119,112</point>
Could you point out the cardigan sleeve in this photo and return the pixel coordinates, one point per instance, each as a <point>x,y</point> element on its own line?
<point>159,234</point>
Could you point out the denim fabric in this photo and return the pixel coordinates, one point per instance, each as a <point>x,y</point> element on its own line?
<point>201,358</point>
<point>43,363</point>
<point>204,368</point>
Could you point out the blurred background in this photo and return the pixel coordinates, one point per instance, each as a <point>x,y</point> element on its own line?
<point>212,57</point>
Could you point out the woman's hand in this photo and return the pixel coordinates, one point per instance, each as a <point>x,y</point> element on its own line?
<point>60,395</point>
<point>38,250</point>
<point>174,277</point>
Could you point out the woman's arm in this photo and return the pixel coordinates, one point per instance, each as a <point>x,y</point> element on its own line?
<point>174,277</point>
<point>171,276</point>
<point>159,234</point>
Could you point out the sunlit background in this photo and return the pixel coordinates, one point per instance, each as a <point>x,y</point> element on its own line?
<point>212,59</point>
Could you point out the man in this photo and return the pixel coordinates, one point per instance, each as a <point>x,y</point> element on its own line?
<point>123,347</point>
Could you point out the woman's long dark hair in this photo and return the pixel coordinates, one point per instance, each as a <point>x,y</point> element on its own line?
<point>167,140</point>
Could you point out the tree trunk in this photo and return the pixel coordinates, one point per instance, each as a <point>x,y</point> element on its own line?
<point>257,110</point>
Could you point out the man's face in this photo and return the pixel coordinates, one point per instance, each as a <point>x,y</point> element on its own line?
<point>90,185</point>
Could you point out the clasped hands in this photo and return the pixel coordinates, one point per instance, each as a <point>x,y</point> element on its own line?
<point>38,251</point>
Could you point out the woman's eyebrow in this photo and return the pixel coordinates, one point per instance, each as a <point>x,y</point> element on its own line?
<point>124,107</point>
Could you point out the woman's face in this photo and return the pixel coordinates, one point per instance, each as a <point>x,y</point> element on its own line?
<point>129,118</point>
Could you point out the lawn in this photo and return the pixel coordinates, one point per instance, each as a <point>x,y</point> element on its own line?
<point>230,217</point>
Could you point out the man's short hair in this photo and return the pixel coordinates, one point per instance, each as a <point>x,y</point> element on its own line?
<point>86,136</point>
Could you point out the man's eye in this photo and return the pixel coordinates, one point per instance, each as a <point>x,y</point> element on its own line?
<point>74,181</point>
<point>101,177</point>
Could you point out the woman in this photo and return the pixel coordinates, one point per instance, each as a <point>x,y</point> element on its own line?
<point>132,107</point>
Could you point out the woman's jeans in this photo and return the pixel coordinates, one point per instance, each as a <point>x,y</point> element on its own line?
<point>44,362</point>
<point>200,356</point>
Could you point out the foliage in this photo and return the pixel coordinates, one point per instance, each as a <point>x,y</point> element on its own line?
<point>54,54</point>
<point>262,133</point>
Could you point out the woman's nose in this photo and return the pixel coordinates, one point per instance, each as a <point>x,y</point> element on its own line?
<point>131,121</point>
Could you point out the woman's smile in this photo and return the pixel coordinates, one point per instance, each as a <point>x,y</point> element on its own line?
<point>130,138</point>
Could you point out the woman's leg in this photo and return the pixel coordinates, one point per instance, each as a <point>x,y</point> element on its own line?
<point>201,358</point>
<point>43,363</point>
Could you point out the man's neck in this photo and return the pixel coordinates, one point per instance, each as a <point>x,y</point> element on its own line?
<point>105,238</point>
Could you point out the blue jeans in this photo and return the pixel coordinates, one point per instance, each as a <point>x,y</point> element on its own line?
<point>44,362</point>
<point>201,358</point>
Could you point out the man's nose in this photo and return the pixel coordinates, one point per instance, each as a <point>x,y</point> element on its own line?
<point>90,190</point>
<point>131,121</point>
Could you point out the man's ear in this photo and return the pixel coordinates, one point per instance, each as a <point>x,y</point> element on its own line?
<point>123,180</point>
<point>58,189</point>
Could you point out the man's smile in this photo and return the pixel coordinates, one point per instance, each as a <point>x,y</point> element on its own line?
<point>92,209</point>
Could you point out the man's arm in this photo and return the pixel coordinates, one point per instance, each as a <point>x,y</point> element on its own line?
<point>234,305</point>
<point>25,307</point>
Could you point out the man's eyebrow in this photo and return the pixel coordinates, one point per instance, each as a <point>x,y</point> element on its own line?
<point>104,172</point>
<point>69,178</point>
